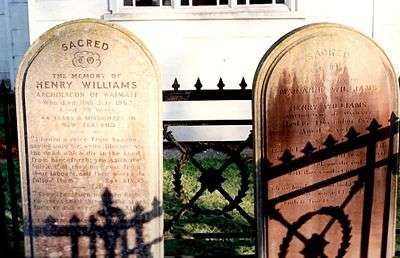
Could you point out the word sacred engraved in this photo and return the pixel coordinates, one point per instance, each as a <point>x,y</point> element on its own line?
<point>88,110</point>
<point>85,43</point>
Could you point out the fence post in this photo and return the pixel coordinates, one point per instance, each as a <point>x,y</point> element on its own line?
<point>10,165</point>
<point>3,229</point>
<point>391,168</point>
<point>92,236</point>
<point>74,234</point>
<point>368,178</point>
<point>4,240</point>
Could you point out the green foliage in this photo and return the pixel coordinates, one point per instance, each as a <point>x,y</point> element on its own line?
<point>192,222</point>
<point>6,190</point>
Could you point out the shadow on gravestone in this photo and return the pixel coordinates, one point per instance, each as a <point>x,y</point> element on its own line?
<point>109,224</point>
<point>328,95</point>
<point>88,101</point>
<point>314,245</point>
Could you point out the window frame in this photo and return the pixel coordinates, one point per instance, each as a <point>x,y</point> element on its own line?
<point>176,11</point>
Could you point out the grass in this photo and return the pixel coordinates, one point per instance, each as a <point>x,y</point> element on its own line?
<point>192,222</point>
<point>179,240</point>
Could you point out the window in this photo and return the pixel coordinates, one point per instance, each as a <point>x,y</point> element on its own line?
<point>192,3</point>
<point>201,9</point>
<point>147,3</point>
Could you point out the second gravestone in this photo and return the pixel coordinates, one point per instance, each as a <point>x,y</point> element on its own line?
<point>88,99</point>
<point>325,104</point>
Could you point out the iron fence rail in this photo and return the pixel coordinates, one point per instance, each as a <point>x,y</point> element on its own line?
<point>11,238</point>
<point>363,180</point>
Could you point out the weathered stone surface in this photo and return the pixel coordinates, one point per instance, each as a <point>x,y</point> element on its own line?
<point>88,100</point>
<point>325,199</point>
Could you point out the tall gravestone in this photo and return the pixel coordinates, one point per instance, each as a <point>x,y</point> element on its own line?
<point>88,102</point>
<point>325,104</point>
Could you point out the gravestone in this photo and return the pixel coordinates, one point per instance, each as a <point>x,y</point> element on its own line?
<point>325,104</point>
<point>88,102</point>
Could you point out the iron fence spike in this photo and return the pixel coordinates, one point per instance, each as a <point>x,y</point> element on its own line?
<point>50,220</point>
<point>352,133</point>
<point>374,125</point>
<point>267,163</point>
<point>308,149</point>
<point>176,85</point>
<point>220,84</point>
<point>287,156</point>
<point>198,84</point>
<point>393,118</point>
<point>330,141</point>
<point>74,219</point>
<point>243,84</point>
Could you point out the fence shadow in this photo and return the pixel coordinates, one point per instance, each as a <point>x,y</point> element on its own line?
<point>314,246</point>
<point>112,229</point>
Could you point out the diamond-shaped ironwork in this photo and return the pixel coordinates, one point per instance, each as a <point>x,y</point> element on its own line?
<point>211,179</point>
<point>315,246</point>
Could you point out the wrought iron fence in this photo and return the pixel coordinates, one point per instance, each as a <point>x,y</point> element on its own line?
<point>210,178</point>
<point>114,227</point>
<point>10,201</point>
<point>314,246</point>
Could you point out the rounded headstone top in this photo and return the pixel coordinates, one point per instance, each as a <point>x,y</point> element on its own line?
<point>87,28</point>
<point>321,95</point>
<point>319,36</point>
<point>88,102</point>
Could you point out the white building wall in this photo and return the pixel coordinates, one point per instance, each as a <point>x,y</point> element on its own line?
<point>44,14</point>
<point>4,44</point>
<point>213,45</point>
<point>14,36</point>
<point>213,48</point>
<point>387,29</point>
<point>354,13</point>
<point>18,15</point>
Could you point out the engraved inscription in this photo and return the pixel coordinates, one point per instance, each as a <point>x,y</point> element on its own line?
<point>317,111</point>
<point>89,127</point>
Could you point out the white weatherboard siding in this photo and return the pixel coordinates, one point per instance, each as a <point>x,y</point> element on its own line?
<point>19,29</point>
<point>210,45</point>
<point>14,36</point>
<point>4,44</point>
<point>387,29</point>
<point>44,14</point>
